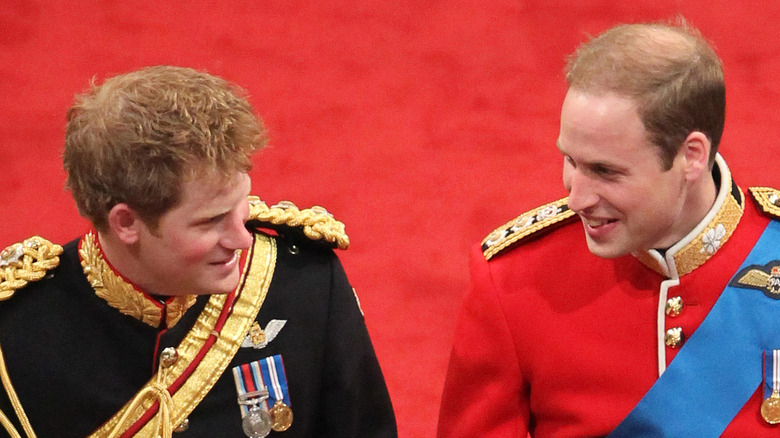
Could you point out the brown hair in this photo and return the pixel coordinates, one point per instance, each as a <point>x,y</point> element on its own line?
<point>672,72</point>
<point>136,137</point>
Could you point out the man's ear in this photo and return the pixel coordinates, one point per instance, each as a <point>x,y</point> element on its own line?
<point>125,223</point>
<point>696,149</point>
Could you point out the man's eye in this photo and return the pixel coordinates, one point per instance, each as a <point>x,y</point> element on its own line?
<point>213,220</point>
<point>604,171</point>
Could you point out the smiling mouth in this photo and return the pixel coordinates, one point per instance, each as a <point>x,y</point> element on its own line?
<point>228,261</point>
<point>595,223</point>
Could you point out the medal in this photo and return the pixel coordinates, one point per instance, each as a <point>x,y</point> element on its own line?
<point>281,412</point>
<point>256,423</point>
<point>770,408</point>
<point>282,416</point>
<point>259,384</point>
<point>253,400</point>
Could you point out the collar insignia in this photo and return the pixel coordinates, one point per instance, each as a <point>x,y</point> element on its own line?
<point>708,237</point>
<point>765,278</point>
<point>122,295</point>
<point>258,338</point>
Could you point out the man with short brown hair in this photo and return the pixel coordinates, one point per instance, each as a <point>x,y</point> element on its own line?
<point>666,332</point>
<point>192,307</point>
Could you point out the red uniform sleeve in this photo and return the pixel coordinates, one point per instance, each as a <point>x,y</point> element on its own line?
<point>484,393</point>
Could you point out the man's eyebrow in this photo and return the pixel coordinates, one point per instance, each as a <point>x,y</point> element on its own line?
<point>595,164</point>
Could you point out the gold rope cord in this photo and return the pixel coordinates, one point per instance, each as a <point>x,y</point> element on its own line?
<point>316,222</point>
<point>155,391</point>
<point>26,262</point>
<point>21,264</point>
<point>9,389</point>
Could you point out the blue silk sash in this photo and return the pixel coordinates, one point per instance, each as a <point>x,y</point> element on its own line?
<point>719,367</point>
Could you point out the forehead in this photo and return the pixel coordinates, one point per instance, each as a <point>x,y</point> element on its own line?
<point>205,193</point>
<point>605,122</point>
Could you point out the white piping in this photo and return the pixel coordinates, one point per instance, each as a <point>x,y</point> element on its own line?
<point>667,263</point>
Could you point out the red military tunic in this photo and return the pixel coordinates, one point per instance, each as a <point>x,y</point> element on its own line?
<point>554,341</point>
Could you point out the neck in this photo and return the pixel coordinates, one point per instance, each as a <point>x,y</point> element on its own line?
<point>122,258</point>
<point>699,201</point>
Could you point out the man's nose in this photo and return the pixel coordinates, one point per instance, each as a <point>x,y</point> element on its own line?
<point>237,236</point>
<point>582,195</point>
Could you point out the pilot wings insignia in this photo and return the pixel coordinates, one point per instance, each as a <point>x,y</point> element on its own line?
<point>258,338</point>
<point>766,278</point>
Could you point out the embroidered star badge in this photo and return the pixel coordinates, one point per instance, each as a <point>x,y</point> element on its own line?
<point>258,337</point>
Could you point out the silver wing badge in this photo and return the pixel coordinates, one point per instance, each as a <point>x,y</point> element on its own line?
<point>258,338</point>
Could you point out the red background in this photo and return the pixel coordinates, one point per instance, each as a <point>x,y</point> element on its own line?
<point>420,124</point>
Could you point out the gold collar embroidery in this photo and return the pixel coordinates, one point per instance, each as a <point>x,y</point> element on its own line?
<point>121,295</point>
<point>708,237</point>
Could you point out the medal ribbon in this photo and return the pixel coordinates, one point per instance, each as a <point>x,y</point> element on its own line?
<point>772,369</point>
<point>703,389</point>
<point>273,373</point>
<point>262,375</point>
<point>248,378</point>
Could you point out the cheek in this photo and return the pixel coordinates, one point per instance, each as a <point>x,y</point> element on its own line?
<point>631,202</point>
<point>194,249</point>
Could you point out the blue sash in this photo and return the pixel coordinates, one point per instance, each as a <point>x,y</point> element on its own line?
<point>719,367</point>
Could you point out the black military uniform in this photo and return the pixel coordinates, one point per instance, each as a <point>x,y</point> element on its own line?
<point>76,361</point>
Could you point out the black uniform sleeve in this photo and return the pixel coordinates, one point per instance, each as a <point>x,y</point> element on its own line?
<point>355,397</point>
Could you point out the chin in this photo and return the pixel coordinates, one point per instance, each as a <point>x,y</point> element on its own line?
<point>605,251</point>
<point>225,286</point>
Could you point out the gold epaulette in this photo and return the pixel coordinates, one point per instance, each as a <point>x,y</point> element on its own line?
<point>22,263</point>
<point>527,224</point>
<point>768,200</point>
<point>315,223</point>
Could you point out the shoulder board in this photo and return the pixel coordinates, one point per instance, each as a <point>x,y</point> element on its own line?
<point>767,199</point>
<point>25,262</point>
<point>314,223</point>
<point>529,223</point>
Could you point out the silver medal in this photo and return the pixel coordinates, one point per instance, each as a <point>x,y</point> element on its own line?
<point>257,422</point>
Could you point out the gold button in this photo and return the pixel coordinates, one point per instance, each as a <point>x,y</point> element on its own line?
<point>183,426</point>
<point>674,306</point>
<point>674,337</point>
<point>168,357</point>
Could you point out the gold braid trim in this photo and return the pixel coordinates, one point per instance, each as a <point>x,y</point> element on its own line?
<point>121,295</point>
<point>316,222</point>
<point>25,262</point>
<point>768,199</point>
<point>527,224</point>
